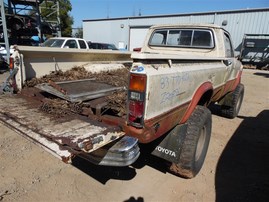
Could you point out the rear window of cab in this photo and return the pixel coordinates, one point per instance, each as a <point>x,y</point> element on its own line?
<point>183,38</point>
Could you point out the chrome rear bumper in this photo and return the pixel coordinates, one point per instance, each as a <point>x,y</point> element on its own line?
<point>123,152</point>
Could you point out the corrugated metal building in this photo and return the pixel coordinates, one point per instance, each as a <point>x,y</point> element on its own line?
<point>129,32</point>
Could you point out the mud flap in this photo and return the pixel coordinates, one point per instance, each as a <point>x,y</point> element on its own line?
<point>170,147</point>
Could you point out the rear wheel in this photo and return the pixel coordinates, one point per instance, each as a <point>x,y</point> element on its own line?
<point>195,145</point>
<point>234,101</point>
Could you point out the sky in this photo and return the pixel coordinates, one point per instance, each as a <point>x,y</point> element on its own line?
<point>100,9</point>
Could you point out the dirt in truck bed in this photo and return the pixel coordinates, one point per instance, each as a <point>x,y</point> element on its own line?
<point>59,108</point>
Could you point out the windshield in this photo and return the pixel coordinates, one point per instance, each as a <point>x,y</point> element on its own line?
<point>111,46</point>
<point>54,43</point>
<point>102,46</point>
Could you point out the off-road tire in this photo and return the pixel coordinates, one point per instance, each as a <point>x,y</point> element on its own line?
<point>236,102</point>
<point>195,145</point>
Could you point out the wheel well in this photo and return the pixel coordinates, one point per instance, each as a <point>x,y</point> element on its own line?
<point>202,97</point>
<point>205,99</point>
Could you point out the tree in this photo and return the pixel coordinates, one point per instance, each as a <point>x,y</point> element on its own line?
<point>65,19</point>
<point>49,13</point>
<point>79,32</point>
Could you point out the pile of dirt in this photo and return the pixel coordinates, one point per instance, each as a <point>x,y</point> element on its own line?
<point>61,108</point>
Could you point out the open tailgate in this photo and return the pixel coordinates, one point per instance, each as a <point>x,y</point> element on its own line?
<point>64,138</point>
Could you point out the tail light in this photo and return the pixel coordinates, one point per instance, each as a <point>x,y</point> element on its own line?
<point>136,99</point>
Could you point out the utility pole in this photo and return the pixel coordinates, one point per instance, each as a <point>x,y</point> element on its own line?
<point>59,31</point>
<point>4,26</point>
<point>38,20</point>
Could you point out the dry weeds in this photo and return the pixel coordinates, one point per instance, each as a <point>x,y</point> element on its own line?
<point>60,108</point>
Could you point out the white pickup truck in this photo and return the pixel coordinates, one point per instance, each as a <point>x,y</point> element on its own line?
<point>66,42</point>
<point>180,70</point>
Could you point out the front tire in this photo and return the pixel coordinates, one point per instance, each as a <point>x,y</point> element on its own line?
<point>235,99</point>
<point>195,145</point>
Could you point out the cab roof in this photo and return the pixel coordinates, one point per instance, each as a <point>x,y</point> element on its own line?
<point>194,25</point>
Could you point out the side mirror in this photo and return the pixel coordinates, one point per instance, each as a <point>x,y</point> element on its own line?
<point>228,62</point>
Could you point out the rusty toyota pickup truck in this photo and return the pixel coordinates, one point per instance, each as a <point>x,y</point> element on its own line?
<point>179,72</point>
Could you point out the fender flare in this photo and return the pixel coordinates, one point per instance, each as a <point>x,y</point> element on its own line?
<point>238,80</point>
<point>195,99</point>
